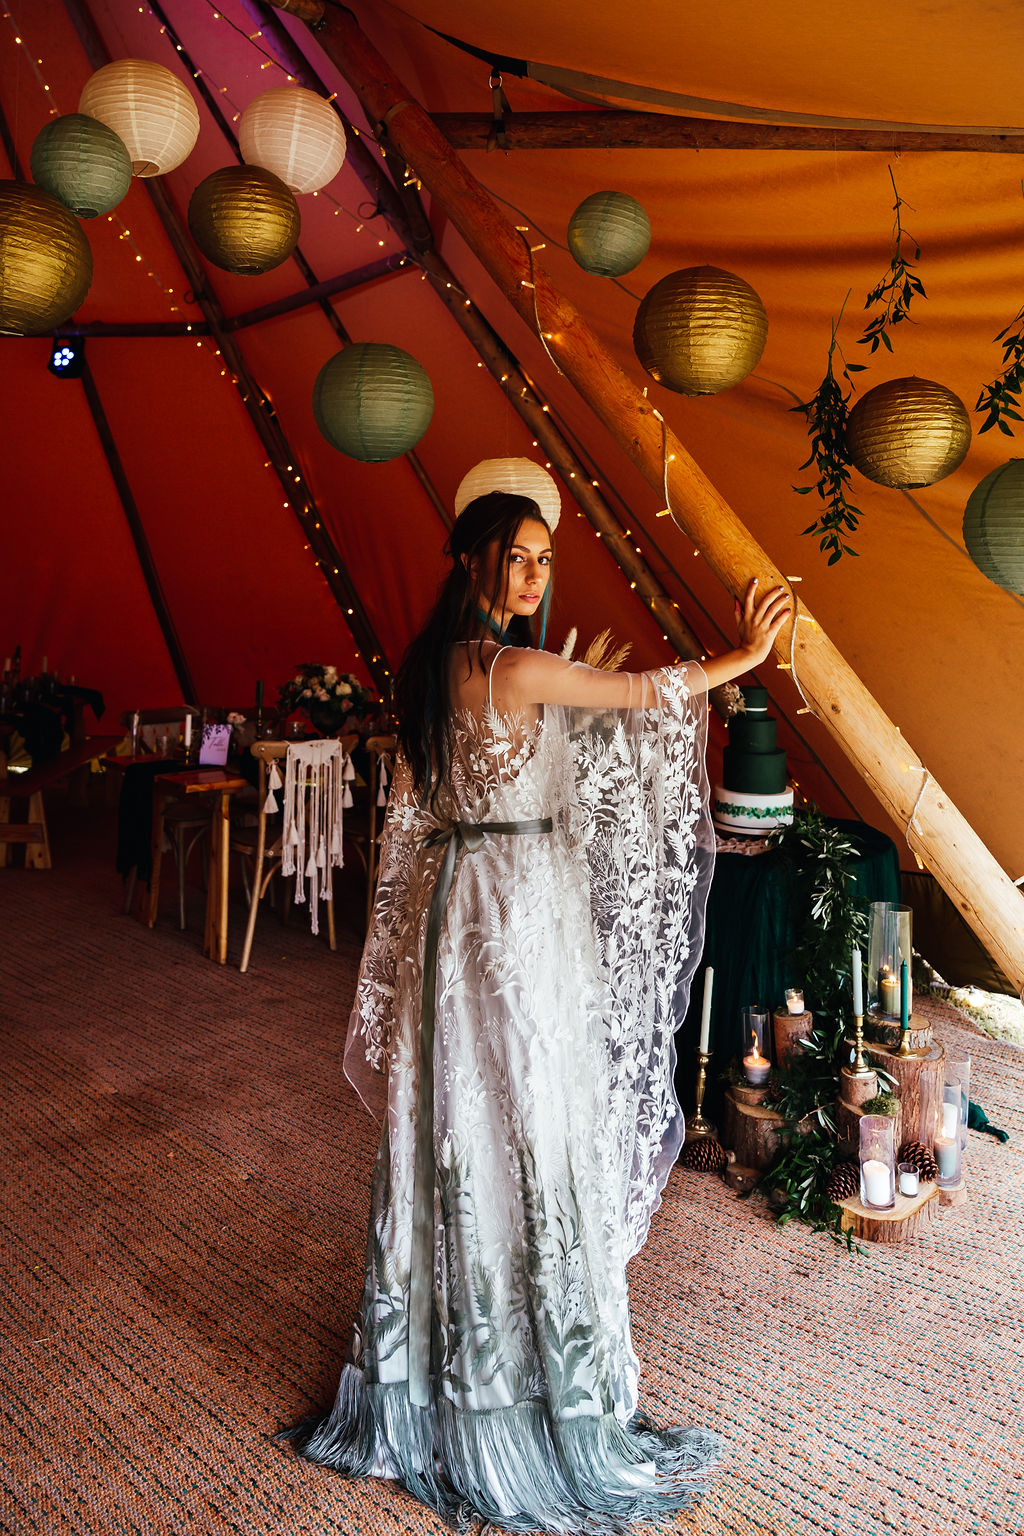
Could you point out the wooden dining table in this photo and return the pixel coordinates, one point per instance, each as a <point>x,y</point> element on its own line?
<point>218,785</point>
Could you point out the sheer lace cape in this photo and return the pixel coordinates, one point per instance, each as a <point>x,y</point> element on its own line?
<point>627,790</point>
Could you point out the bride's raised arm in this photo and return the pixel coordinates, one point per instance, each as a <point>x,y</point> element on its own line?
<point>522,677</point>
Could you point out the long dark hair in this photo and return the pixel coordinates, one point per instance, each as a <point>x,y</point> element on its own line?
<point>422,693</point>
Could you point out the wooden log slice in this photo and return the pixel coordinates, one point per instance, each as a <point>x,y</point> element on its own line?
<point>886,1032</point>
<point>856,1089</point>
<point>909,1218</point>
<point>752,1131</point>
<point>741,1178</point>
<point>789,1029</point>
<point>746,1093</point>
<point>919,1085</point>
<point>956,1195</point>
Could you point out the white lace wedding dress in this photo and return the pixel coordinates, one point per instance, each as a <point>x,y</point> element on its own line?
<point>508,1390</point>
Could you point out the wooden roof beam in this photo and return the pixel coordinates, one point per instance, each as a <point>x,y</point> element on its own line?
<point>614,129</point>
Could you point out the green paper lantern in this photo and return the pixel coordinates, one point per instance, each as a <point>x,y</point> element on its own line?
<point>82,163</point>
<point>244,219</point>
<point>907,433</point>
<point>700,330</point>
<point>994,526</point>
<point>373,401</point>
<point>609,234</point>
<point>45,261</point>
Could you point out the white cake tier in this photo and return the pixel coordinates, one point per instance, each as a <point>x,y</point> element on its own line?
<point>738,812</point>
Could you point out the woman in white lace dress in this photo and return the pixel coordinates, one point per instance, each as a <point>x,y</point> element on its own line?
<point>539,915</point>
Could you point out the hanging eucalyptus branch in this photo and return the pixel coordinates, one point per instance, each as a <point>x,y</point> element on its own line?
<point>898,284</point>
<point>826,412</point>
<point>1001,399</point>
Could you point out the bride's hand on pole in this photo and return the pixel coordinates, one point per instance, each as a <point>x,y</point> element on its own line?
<point>759,619</point>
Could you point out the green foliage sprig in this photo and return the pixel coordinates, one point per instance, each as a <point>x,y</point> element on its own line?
<point>835,921</point>
<point>797,1181</point>
<point>1001,399</point>
<point>898,284</point>
<point>826,412</point>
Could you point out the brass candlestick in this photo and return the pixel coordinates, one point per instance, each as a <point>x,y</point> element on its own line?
<point>861,1066</point>
<point>698,1126</point>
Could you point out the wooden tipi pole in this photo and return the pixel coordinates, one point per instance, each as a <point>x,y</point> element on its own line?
<point>982,892</point>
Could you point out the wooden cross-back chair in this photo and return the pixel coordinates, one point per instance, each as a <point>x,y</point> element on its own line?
<point>262,844</point>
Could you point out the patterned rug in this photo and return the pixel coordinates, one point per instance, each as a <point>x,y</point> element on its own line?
<point>184,1183</point>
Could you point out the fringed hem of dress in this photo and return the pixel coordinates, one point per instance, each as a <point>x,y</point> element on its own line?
<point>513,1467</point>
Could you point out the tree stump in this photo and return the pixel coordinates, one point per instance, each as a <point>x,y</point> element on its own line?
<point>919,1085</point>
<point>910,1217</point>
<point>956,1194</point>
<point>886,1032</point>
<point>751,1131</point>
<point>789,1030</point>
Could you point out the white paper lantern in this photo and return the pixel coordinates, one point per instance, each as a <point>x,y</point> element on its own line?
<point>149,108</point>
<point>520,477</point>
<point>296,134</point>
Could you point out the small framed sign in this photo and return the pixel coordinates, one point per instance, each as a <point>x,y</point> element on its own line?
<point>213,749</point>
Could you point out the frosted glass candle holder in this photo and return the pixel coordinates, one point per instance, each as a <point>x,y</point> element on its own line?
<point>756,1063</point>
<point>794,1000</point>
<point>889,944</point>
<point>877,1163</point>
<point>947,1145</point>
<point>958,1072</point>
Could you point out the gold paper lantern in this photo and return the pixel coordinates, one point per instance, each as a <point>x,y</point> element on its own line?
<point>82,163</point>
<point>45,261</point>
<point>149,108</point>
<point>296,134</point>
<point>700,330</point>
<point>609,234</point>
<point>994,526</point>
<point>244,219</point>
<point>520,477</point>
<point>908,433</point>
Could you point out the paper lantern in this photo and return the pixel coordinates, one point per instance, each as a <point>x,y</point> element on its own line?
<point>373,401</point>
<point>521,477</point>
<point>609,234</point>
<point>45,260</point>
<point>149,108</point>
<point>700,330</point>
<point>908,433</point>
<point>994,526</point>
<point>244,219</point>
<point>296,134</point>
<point>82,163</point>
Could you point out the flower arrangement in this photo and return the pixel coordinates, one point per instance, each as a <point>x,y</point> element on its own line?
<point>330,699</point>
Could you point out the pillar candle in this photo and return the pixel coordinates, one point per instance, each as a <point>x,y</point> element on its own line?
<point>876,1183</point>
<point>188,732</point>
<point>950,1120</point>
<point>945,1149</point>
<point>858,995</point>
<point>705,1016</point>
<point>45,666</point>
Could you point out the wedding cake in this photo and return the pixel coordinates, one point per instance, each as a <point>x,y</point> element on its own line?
<point>755,797</point>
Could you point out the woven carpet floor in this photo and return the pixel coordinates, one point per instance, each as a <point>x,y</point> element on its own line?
<point>185,1175</point>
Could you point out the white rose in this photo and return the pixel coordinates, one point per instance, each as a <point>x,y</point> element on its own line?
<point>330,674</point>
<point>297,679</point>
<point>344,688</point>
<point>307,693</point>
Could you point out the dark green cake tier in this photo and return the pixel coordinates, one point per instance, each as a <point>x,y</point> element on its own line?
<point>753,773</point>
<point>755,697</point>
<point>753,733</point>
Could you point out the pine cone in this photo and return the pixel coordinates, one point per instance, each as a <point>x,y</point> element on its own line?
<point>918,1154</point>
<point>704,1155</point>
<point>843,1182</point>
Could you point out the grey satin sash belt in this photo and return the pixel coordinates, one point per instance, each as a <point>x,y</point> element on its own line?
<point>461,835</point>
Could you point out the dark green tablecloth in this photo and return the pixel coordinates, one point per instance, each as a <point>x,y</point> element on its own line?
<point>755,909</point>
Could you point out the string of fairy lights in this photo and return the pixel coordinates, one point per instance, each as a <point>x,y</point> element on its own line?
<point>359,221</point>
